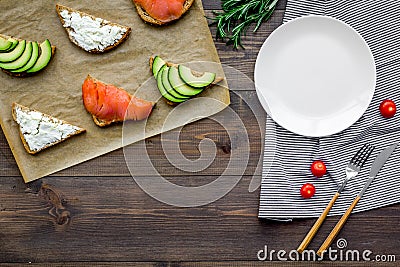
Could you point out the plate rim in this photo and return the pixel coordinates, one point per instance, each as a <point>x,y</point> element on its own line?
<point>264,101</point>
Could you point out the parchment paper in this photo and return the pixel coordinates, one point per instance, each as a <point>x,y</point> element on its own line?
<point>57,89</point>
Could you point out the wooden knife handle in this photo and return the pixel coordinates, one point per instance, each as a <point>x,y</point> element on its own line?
<point>338,227</point>
<point>317,225</point>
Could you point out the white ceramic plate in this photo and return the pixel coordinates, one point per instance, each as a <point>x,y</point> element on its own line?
<point>315,76</point>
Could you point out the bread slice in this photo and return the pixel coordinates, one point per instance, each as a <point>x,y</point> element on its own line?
<point>101,123</point>
<point>23,74</point>
<point>149,19</point>
<point>109,104</point>
<point>76,34</point>
<point>39,131</point>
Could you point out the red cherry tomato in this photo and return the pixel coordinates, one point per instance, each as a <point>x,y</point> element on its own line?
<point>307,190</point>
<point>318,168</point>
<point>387,108</point>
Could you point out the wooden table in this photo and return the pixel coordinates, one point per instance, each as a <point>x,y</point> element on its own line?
<point>96,213</point>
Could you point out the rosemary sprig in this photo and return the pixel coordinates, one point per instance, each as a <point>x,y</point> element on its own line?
<point>238,15</point>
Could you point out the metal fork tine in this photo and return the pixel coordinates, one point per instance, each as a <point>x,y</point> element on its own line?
<point>353,159</point>
<point>370,149</point>
<point>360,152</point>
<point>364,156</point>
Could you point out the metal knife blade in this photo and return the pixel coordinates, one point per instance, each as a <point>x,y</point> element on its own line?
<point>379,161</point>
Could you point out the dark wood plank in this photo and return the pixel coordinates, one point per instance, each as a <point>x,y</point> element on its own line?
<point>281,264</point>
<point>204,264</point>
<point>244,59</point>
<point>112,219</point>
<point>91,264</point>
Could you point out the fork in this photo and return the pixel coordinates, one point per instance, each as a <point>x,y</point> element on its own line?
<point>352,169</point>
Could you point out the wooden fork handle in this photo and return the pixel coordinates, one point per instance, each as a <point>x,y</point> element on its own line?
<point>317,225</point>
<point>338,227</point>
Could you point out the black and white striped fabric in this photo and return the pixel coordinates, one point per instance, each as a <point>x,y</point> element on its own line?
<point>287,156</point>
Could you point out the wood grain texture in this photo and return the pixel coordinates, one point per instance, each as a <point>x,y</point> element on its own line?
<point>205,264</point>
<point>111,218</point>
<point>339,225</point>
<point>244,59</point>
<point>94,214</point>
<point>314,229</point>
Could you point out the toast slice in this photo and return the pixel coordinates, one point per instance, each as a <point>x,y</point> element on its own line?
<point>80,27</point>
<point>109,104</point>
<point>39,131</point>
<point>144,15</point>
<point>25,73</point>
<point>101,123</point>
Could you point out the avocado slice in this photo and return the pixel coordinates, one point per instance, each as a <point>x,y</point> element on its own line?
<point>21,61</point>
<point>168,87</point>
<point>32,60</point>
<point>44,58</point>
<point>179,85</point>
<point>14,44</point>
<point>202,80</point>
<point>163,90</point>
<point>13,54</point>
<point>158,63</point>
<point>4,44</point>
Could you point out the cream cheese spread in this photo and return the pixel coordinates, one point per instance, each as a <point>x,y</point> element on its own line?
<point>40,130</point>
<point>89,33</point>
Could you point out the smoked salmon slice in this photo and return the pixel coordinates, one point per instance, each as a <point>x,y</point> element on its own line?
<point>108,103</point>
<point>163,10</point>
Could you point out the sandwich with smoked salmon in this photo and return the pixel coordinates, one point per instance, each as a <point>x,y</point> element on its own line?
<point>108,104</point>
<point>161,12</point>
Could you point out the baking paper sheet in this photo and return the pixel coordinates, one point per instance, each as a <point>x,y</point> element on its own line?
<point>57,89</point>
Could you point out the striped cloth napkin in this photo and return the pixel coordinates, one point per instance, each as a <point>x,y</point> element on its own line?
<point>287,156</point>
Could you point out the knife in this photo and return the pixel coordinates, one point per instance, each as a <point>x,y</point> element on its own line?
<point>379,161</point>
<point>377,166</point>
